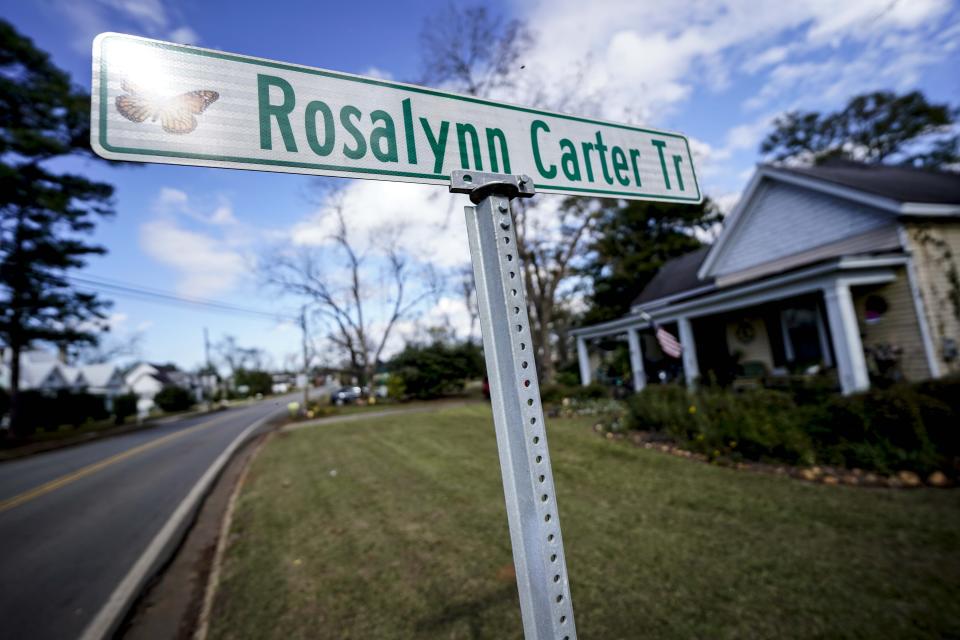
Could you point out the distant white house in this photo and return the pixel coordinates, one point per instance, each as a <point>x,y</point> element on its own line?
<point>146,379</point>
<point>39,371</point>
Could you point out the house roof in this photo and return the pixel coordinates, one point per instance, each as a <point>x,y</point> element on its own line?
<point>903,184</point>
<point>905,189</point>
<point>676,276</point>
<point>99,375</point>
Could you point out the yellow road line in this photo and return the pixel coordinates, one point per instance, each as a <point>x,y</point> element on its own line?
<point>63,481</point>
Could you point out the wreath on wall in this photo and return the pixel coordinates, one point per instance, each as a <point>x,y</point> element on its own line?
<point>745,332</point>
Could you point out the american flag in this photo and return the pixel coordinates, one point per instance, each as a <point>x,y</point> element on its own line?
<point>668,344</point>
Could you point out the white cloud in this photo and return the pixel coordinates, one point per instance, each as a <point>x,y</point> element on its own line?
<point>428,220</point>
<point>201,239</point>
<point>184,35</point>
<point>645,59</point>
<point>377,72</point>
<point>771,56</point>
<point>176,201</point>
<point>153,18</point>
<point>205,266</point>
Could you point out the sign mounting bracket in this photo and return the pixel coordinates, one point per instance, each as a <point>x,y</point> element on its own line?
<point>529,493</point>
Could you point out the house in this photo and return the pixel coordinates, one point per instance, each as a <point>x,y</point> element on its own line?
<point>147,379</point>
<point>39,371</point>
<point>844,270</point>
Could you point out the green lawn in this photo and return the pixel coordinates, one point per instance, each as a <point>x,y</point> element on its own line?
<point>408,539</point>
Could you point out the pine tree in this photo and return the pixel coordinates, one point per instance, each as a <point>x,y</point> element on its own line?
<point>631,241</point>
<point>43,213</point>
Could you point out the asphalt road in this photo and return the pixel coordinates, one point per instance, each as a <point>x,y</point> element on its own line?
<point>74,521</point>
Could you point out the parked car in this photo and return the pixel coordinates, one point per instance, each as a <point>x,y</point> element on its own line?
<point>345,395</point>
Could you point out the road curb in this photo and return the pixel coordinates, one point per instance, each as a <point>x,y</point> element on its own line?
<point>163,544</point>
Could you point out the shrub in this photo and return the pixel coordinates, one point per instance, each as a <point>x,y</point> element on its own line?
<point>124,406</point>
<point>756,424</point>
<point>885,430</point>
<point>173,398</point>
<point>900,427</point>
<point>556,393</point>
<point>256,381</point>
<point>434,370</point>
<point>40,410</point>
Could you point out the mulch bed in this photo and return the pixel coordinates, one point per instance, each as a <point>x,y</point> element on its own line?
<point>817,474</point>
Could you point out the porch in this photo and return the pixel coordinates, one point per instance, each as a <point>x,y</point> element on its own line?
<point>811,321</point>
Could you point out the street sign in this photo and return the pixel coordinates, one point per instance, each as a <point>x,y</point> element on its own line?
<point>162,102</point>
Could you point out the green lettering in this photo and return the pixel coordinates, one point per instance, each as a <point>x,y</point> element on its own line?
<point>310,122</point>
<point>587,148</point>
<point>492,135</point>
<point>279,111</point>
<point>408,132</point>
<point>602,152</point>
<point>568,160</point>
<point>660,144</point>
<point>462,131</point>
<point>437,145</point>
<point>619,164</point>
<point>540,125</point>
<point>387,133</point>
<point>346,113</point>
<point>676,167</point>
<point>635,160</point>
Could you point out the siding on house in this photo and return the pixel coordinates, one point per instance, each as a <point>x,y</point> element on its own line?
<point>897,327</point>
<point>786,220</point>
<point>935,247</point>
<point>881,239</point>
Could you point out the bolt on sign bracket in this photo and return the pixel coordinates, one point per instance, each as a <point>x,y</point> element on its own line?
<point>530,496</point>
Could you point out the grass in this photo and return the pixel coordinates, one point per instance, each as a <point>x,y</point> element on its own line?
<point>408,539</point>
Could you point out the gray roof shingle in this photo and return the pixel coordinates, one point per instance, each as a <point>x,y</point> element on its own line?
<point>675,276</point>
<point>903,184</point>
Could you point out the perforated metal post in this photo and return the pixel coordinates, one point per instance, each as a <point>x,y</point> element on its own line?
<point>531,500</point>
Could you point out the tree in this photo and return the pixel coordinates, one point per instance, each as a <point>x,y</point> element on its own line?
<point>549,249</point>
<point>238,358</point>
<point>632,240</point>
<point>344,298</point>
<point>255,380</point>
<point>436,369</point>
<point>472,50</point>
<point>110,349</point>
<point>478,53</point>
<point>43,214</point>
<point>874,128</point>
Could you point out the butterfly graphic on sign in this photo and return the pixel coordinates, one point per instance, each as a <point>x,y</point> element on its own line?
<point>177,114</point>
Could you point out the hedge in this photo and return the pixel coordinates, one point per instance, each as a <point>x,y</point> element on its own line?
<point>902,427</point>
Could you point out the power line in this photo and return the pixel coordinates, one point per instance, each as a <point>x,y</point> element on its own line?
<point>117,287</point>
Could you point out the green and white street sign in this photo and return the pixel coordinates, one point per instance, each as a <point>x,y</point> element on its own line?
<point>162,102</point>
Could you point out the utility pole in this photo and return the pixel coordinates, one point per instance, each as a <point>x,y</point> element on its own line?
<point>306,358</point>
<point>209,372</point>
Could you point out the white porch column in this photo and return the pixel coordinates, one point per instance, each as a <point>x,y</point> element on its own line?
<point>851,363</point>
<point>691,369</point>
<point>636,360</point>
<point>583,357</point>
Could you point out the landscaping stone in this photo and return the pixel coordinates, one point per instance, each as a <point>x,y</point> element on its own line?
<point>808,474</point>
<point>909,479</point>
<point>938,479</point>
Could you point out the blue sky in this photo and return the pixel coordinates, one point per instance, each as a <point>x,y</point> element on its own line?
<point>717,71</point>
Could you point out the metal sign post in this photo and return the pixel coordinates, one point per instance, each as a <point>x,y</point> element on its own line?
<point>531,499</point>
